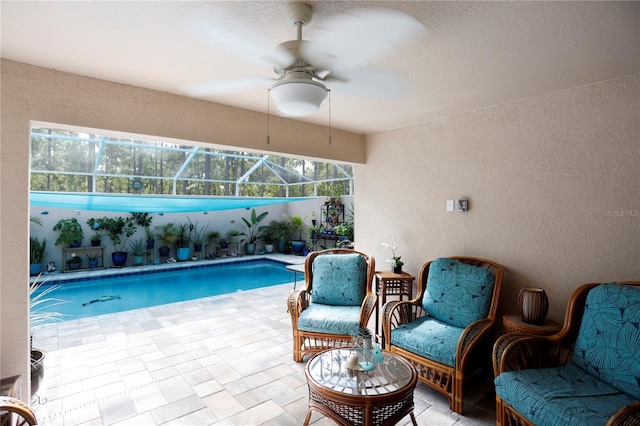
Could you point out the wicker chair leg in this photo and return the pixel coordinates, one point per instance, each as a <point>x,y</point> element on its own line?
<point>297,346</point>
<point>457,397</point>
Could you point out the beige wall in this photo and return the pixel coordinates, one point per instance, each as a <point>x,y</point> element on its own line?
<point>552,183</point>
<point>37,94</point>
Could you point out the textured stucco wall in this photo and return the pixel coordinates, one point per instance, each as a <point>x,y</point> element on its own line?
<point>552,183</point>
<point>37,94</point>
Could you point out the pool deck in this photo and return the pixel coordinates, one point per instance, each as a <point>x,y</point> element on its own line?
<point>220,360</point>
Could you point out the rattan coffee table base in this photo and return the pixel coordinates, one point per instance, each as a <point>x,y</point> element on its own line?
<point>383,396</point>
<point>349,414</point>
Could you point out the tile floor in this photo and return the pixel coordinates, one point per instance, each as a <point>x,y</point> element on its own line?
<point>222,360</point>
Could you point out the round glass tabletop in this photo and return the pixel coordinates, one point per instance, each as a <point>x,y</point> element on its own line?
<point>329,370</point>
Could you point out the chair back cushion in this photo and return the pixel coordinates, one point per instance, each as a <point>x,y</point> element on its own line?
<point>458,293</point>
<point>339,279</point>
<point>608,343</point>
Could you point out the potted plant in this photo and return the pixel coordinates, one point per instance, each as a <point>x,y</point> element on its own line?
<point>138,249</point>
<point>212,237</point>
<point>74,262</point>
<point>199,236</point>
<point>37,251</point>
<point>38,303</point>
<point>297,226</point>
<point>93,259</point>
<point>281,230</point>
<point>96,239</point>
<point>167,237</point>
<point>270,239</point>
<point>96,226</point>
<point>183,238</point>
<point>254,230</point>
<point>119,230</point>
<point>70,232</point>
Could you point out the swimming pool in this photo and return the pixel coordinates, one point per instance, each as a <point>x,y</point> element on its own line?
<point>110,294</point>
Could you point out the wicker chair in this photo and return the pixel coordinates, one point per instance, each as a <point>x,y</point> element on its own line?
<point>446,332</point>
<point>15,412</point>
<point>544,366</point>
<point>342,300</point>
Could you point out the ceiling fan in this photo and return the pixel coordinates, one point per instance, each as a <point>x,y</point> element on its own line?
<point>338,57</point>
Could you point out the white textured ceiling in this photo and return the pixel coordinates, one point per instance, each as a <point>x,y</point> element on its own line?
<point>474,55</point>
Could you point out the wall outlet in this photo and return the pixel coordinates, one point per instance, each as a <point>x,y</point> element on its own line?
<point>449,205</point>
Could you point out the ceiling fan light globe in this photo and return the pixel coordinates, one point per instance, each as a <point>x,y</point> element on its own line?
<point>298,98</point>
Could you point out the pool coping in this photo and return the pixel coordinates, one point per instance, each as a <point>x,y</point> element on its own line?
<point>67,277</point>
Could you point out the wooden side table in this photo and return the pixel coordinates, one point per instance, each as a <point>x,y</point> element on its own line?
<point>388,283</point>
<point>514,324</point>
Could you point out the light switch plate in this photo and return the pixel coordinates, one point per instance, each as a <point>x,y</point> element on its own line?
<point>449,205</point>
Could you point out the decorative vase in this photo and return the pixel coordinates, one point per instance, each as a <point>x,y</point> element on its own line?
<point>37,369</point>
<point>397,269</point>
<point>183,253</point>
<point>95,243</point>
<point>35,268</point>
<point>534,305</point>
<point>119,258</point>
<point>93,264</point>
<point>250,248</point>
<point>151,243</point>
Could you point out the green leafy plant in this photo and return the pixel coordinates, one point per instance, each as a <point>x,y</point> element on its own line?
<point>74,260</point>
<point>37,250</point>
<point>92,257</point>
<point>138,247</point>
<point>199,235</point>
<point>254,230</point>
<point>297,223</point>
<point>119,230</point>
<point>183,235</point>
<point>167,234</point>
<point>213,237</point>
<point>70,231</point>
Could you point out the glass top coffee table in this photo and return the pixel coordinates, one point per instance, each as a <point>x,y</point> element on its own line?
<point>381,396</point>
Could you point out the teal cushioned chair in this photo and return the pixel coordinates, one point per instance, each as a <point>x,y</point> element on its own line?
<point>586,374</point>
<point>336,301</point>
<point>446,331</point>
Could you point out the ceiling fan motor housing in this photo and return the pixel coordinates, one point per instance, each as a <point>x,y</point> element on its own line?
<point>299,12</point>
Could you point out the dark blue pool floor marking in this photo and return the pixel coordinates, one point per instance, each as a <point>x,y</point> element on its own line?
<point>102,299</point>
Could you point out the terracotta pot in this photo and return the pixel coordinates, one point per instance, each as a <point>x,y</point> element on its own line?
<point>533,304</point>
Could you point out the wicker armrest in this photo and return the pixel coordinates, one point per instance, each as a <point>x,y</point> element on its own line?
<point>627,416</point>
<point>297,302</point>
<point>368,305</point>
<point>513,351</point>
<point>472,335</point>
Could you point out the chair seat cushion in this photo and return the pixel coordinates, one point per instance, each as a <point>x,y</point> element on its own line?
<point>330,319</point>
<point>339,279</point>
<point>429,338</point>
<point>458,293</point>
<point>566,395</point>
<point>608,343</point>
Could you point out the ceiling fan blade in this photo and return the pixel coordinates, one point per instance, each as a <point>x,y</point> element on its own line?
<point>223,87</point>
<point>214,27</point>
<point>368,83</point>
<point>360,37</point>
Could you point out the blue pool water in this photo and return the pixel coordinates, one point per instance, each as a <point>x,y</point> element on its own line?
<point>122,293</point>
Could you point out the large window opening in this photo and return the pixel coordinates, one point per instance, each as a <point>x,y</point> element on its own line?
<point>65,160</point>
